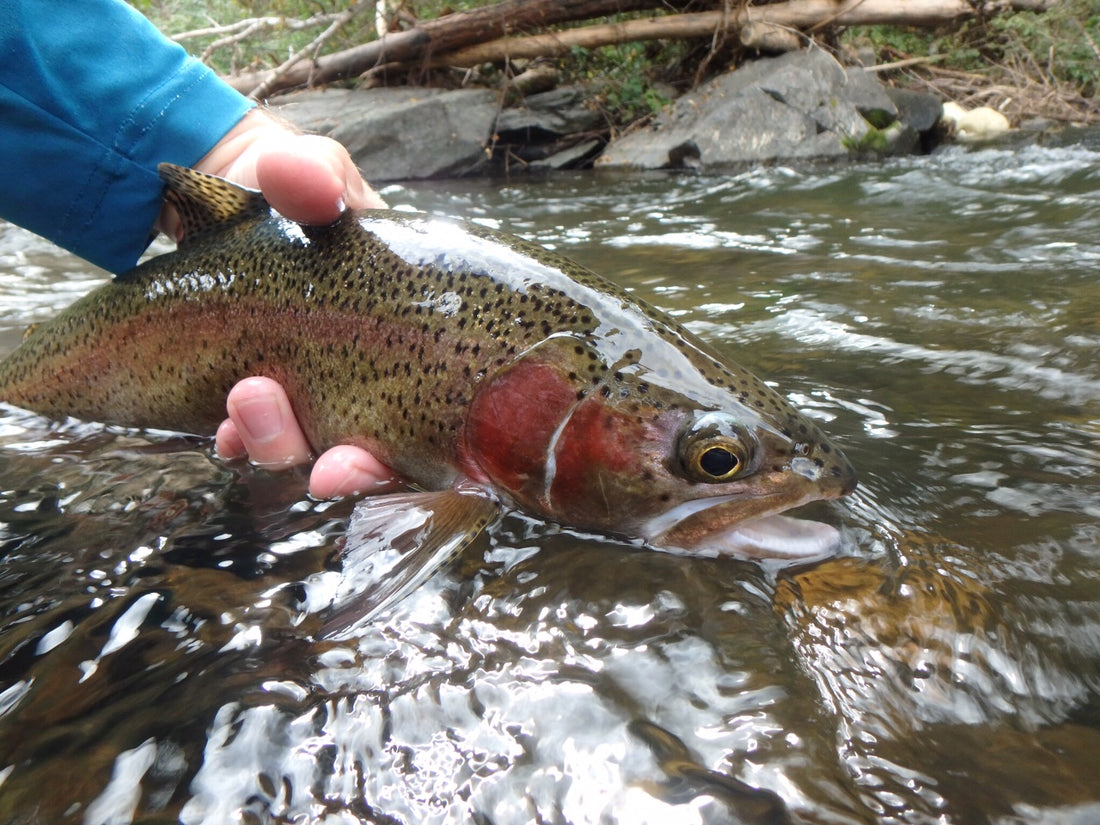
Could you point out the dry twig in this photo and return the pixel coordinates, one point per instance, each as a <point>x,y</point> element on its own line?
<point>230,34</point>
<point>1017,93</point>
<point>312,48</point>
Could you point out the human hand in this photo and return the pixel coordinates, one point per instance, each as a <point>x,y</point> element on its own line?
<point>262,425</point>
<point>309,179</point>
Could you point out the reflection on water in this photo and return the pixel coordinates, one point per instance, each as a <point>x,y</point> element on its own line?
<point>941,315</point>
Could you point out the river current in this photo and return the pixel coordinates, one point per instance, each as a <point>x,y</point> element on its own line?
<point>940,316</point>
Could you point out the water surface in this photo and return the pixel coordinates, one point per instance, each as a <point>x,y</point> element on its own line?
<point>939,315</point>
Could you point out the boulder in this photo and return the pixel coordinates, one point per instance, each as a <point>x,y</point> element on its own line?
<point>800,105</point>
<point>548,116</point>
<point>573,156</point>
<point>549,130</point>
<point>402,133</point>
<point>921,114</point>
<point>920,110</point>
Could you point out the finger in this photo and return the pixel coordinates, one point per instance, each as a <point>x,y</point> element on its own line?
<point>228,442</point>
<point>264,420</point>
<point>348,471</point>
<point>307,178</point>
<point>311,179</point>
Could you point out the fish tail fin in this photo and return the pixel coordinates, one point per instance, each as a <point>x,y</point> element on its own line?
<point>207,201</point>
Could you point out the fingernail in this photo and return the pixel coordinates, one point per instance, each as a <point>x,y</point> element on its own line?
<point>261,418</point>
<point>359,195</point>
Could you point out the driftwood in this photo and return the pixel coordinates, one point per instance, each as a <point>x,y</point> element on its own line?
<point>770,38</point>
<point>443,34</point>
<point>1020,93</point>
<point>486,34</point>
<point>791,16</point>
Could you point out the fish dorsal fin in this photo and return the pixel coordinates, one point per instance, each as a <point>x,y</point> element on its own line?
<point>205,202</point>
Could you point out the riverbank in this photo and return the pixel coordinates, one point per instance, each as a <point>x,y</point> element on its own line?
<point>803,105</point>
<point>509,86</point>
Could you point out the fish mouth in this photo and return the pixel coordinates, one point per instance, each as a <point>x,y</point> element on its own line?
<point>731,526</point>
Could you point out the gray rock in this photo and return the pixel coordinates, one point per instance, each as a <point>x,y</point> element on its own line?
<point>549,115</point>
<point>404,133</point>
<point>799,105</point>
<point>870,98</point>
<point>901,139</point>
<point>919,110</point>
<point>574,157</point>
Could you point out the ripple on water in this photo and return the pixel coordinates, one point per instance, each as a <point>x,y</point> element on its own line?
<point>158,640</point>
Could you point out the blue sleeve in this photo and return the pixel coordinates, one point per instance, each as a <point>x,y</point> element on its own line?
<point>92,98</point>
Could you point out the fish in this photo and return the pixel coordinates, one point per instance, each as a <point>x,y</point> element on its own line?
<point>490,373</point>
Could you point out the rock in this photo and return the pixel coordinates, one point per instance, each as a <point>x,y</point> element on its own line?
<point>869,98</point>
<point>921,115</point>
<point>548,116</point>
<point>903,139</point>
<point>550,130</point>
<point>921,111</point>
<point>798,105</point>
<point>577,156</point>
<point>1038,124</point>
<point>402,133</point>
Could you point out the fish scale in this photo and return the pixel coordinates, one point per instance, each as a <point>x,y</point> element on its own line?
<point>456,354</point>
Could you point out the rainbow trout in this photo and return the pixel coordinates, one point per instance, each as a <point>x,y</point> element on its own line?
<point>488,372</point>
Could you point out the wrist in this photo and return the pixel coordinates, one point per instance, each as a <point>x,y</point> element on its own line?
<point>223,160</point>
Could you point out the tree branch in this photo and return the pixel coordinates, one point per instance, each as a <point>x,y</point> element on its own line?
<point>312,48</point>
<point>446,34</point>
<point>447,41</point>
<point>794,14</point>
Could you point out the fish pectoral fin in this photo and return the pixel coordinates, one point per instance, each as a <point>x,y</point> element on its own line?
<point>206,202</point>
<point>397,542</point>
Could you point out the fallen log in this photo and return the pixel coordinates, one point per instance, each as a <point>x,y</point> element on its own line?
<point>770,38</point>
<point>449,40</point>
<point>431,37</point>
<point>791,16</point>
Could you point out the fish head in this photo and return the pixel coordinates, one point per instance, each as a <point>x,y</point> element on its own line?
<point>663,442</point>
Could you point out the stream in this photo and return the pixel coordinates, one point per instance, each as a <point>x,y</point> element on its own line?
<point>939,316</point>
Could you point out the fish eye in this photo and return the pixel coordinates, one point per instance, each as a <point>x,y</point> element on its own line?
<point>719,462</point>
<point>714,449</point>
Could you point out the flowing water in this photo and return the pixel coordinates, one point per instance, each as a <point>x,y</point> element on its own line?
<point>160,662</point>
